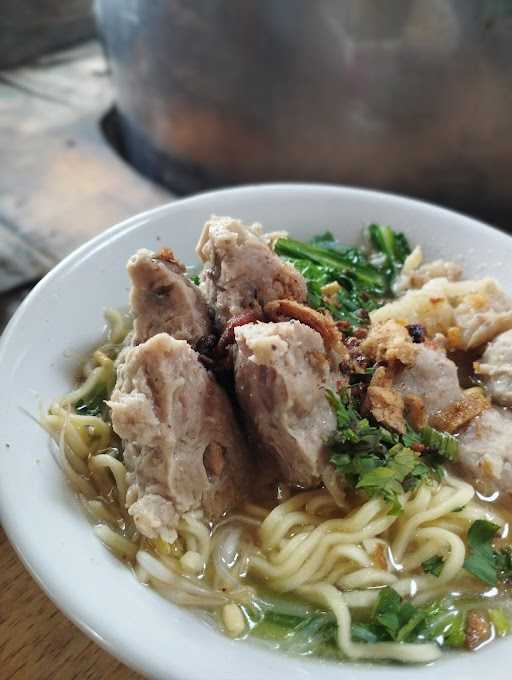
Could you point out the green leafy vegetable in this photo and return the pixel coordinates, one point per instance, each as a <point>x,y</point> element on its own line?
<point>386,480</point>
<point>411,437</point>
<point>481,561</point>
<point>401,621</point>
<point>489,565</point>
<point>300,628</point>
<point>366,632</point>
<point>398,618</point>
<point>503,559</point>
<point>433,566</point>
<point>360,452</point>
<point>500,621</point>
<point>311,634</point>
<point>353,301</point>
<point>387,611</point>
<point>195,279</point>
<point>444,623</point>
<point>443,443</point>
<point>348,262</point>
<point>364,283</point>
<point>351,427</point>
<point>455,635</point>
<point>413,617</point>
<point>94,403</point>
<point>327,240</point>
<point>392,246</point>
<point>379,461</point>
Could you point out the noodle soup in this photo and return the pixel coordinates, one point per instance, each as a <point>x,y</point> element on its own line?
<point>368,521</point>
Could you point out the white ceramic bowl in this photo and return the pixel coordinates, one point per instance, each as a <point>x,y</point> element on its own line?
<point>62,318</point>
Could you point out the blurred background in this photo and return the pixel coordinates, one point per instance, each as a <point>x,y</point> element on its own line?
<point>115,106</point>
<point>112,107</point>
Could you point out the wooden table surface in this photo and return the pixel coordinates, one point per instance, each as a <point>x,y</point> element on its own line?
<point>64,185</point>
<point>37,642</point>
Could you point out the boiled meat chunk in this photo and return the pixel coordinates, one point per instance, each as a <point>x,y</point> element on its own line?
<point>164,300</point>
<point>485,451</point>
<point>241,271</point>
<point>281,373</point>
<point>186,450</point>
<point>433,378</point>
<point>495,369</point>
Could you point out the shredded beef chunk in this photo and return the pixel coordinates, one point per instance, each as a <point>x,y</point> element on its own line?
<point>433,378</point>
<point>485,451</point>
<point>241,272</point>
<point>281,373</point>
<point>164,300</point>
<point>186,449</point>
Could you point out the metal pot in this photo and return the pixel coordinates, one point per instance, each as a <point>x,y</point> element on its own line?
<point>414,96</point>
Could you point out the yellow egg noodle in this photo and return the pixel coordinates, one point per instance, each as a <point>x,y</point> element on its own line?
<point>306,545</point>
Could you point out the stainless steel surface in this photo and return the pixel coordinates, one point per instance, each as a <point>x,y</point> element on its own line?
<point>406,95</point>
<point>30,28</point>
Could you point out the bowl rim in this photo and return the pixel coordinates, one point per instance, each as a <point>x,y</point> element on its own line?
<point>150,213</point>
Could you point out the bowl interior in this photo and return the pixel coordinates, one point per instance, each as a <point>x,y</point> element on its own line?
<point>62,319</point>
